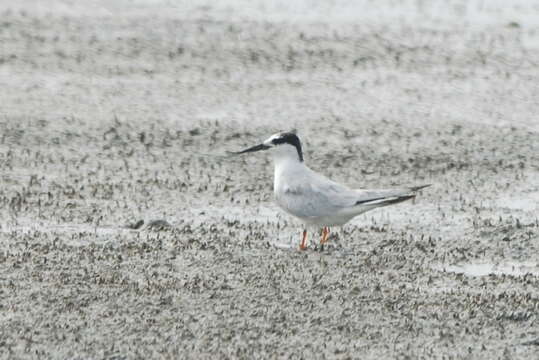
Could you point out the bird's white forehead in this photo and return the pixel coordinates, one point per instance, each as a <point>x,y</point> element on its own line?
<point>273,137</point>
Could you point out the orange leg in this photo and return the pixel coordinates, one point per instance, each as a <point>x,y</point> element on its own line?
<point>325,234</point>
<point>303,245</point>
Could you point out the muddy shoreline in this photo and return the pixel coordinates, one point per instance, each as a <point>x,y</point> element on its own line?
<point>116,114</point>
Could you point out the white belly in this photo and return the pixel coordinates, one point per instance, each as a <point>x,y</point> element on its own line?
<point>297,197</point>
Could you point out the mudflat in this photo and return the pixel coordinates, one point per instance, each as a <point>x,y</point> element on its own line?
<point>127,232</point>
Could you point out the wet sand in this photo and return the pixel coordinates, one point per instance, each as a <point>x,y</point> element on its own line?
<point>117,116</point>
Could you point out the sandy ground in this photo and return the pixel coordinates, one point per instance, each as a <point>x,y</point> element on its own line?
<point>113,114</point>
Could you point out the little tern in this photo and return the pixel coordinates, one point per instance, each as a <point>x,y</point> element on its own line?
<point>313,198</point>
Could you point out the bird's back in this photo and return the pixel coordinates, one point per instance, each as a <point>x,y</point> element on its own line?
<point>307,194</point>
<point>316,199</point>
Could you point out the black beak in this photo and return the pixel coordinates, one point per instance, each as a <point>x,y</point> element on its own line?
<point>252,149</point>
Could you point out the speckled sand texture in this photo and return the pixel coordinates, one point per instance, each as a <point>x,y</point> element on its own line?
<point>115,113</point>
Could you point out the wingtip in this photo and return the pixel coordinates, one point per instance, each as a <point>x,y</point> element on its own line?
<point>417,188</point>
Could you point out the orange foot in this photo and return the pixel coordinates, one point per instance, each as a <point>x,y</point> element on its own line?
<point>325,234</point>
<point>303,245</point>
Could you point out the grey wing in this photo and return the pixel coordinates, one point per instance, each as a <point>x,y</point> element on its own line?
<point>317,197</point>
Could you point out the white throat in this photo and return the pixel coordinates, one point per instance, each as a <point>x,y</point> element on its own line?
<point>287,165</point>
<point>285,152</point>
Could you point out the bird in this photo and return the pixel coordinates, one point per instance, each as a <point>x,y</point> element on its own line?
<point>311,197</point>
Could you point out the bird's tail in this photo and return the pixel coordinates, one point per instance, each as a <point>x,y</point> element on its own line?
<point>388,197</point>
<point>417,188</point>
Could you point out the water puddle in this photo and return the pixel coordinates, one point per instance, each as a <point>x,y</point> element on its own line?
<point>528,203</point>
<point>63,228</point>
<point>285,246</point>
<point>485,269</point>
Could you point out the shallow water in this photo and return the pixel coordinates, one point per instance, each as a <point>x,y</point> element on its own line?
<point>485,269</point>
